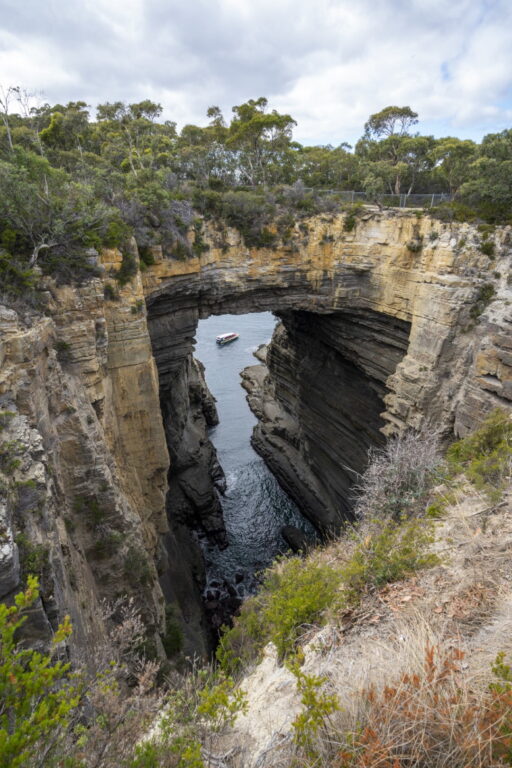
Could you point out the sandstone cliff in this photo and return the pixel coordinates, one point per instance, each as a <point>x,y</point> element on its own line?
<point>400,321</point>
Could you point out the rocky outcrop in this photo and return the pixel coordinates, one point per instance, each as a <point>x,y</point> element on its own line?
<point>107,473</point>
<point>319,405</point>
<point>84,461</point>
<point>195,477</point>
<point>398,323</point>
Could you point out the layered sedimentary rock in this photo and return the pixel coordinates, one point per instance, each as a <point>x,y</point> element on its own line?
<point>319,405</point>
<point>83,461</point>
<point>399,322</point>
<point>383,327</point>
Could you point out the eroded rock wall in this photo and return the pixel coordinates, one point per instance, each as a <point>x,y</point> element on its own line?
<point>399,322</point>
<point>320,404</point>
<point>84,484</point>
<point>384,328</point>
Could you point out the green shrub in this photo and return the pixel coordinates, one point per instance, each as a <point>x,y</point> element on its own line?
<point>138,307</point>
<point>180,251</point>
<point>106,544</point>
<point>241,643</point>
<point>487,247</point>
<point>110,292</point>
<point>38,696</point>
<point>146,255</point>
<point>317,707</point>
<point>172,639</point>
<point>15,277</point>
<point>389,552</point>
<point>88,507</point>
<point>415,246</point>
<point>9,460</point>
<point>294,593</point>
<point>128,268</point>
<point>485,456</point>
<point>483,298</point>
<point>199,246</point>
<point>33,557</point>
<point>298,592</point>
<point>203,706</point>
<point>454,211</point>
<point>117,233</point>
<point>350,220</point>
<point>136,567</point>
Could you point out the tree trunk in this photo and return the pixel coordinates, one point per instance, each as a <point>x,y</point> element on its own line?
<point>5,120</point>
<point>36,251</point>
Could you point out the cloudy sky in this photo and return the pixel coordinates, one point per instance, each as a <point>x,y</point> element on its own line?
<point>329,63</point>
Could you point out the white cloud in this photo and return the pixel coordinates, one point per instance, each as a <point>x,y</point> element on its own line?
<point>329,63</point>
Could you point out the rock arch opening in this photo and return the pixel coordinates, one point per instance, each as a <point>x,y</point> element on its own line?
<point>318,401</point>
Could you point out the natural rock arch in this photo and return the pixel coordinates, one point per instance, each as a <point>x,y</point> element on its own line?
<point>362,309</point>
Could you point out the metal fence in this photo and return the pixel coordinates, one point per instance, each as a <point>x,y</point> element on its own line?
<point>393,201</point>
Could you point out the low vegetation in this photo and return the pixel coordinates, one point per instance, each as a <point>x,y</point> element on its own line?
<point>70,184</point>
<point>430,712</point>
<point>485,457</point>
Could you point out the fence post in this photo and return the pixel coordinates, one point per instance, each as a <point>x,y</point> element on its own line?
<point>352,196</point>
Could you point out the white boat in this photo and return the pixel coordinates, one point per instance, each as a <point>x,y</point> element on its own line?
<point>226,338</point>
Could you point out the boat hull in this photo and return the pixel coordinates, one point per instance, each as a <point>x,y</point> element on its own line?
<point>227,340</point>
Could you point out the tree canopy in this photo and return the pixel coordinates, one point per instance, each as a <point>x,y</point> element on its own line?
<point>70,181</point>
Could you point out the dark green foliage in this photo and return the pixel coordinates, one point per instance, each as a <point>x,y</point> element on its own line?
<point>487,247</point>
<point>138,307</point>
<point>180,251</point>
<point>117,233</point>
<point>37,694</point>
<point>293,594</point>
<point>250,213</point>
<point>485,295</point>
<point>454,211</point>
<point>350,221</point>
<point>62,348</point>
<point>146,256</point>
<point>9,461</point>
<point>389,552</point>
<point>415,246</point>
<point>110,292</point>
<point>33,557</point>
<point>106,544</point>
<point>15,278</point>
<point>128,268</point>
<point>199,246</point>
<point>69,183</point>
<point>90,510</point>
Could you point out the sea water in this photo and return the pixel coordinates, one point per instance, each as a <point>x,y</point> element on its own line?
<point>255,506</point>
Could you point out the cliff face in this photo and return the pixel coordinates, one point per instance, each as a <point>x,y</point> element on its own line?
<point>379,331</point>
<point>83,495</point>
<point>319,405</point>
<point>400,322</point>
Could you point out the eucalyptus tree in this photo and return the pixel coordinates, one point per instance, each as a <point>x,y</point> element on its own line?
<point>262,141</point>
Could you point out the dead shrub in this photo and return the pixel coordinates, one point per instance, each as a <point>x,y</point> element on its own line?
<point>399,476</point>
